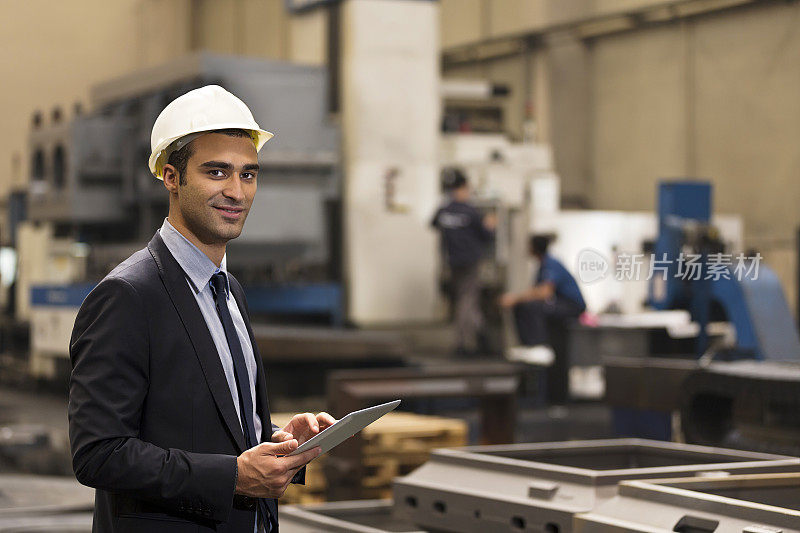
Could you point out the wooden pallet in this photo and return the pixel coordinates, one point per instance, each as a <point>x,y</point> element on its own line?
<point>398,443</point>
<point>404,433</point>
<point>393,445</point>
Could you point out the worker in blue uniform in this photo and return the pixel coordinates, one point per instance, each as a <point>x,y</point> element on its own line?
<point>554,300</point>
<point>466,234</point>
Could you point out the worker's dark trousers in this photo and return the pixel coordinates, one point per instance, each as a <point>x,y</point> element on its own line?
<point>466,304</point>
<point>544,322</point>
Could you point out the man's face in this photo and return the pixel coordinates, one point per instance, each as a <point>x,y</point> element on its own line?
<point>463,193</point>
<point>219,186</point>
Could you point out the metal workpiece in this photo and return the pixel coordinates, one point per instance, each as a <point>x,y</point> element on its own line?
<point>362,516</point>
<point>541,487</point>
<point>26,495</point>
<point>756,503</point>
<point>57,523</point>
<point>751,405</point>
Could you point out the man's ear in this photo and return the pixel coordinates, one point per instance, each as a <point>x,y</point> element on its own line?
<point>171,178</point>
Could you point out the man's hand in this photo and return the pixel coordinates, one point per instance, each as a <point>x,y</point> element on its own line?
<point>263,474</point>
<point>508,299</point>
<point>490,221</point>
<point>303,426</point>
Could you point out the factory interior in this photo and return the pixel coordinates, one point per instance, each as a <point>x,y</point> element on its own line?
<point>564,233</point>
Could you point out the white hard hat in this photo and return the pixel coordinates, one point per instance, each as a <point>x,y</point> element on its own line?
<point>205,109</point>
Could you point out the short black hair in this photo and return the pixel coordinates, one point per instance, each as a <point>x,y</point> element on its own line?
<point>180,158</point>
<point>539,244</point>
<point>453,178</point>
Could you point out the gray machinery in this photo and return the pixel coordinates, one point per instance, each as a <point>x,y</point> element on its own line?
<point>91,183</point>
<point>759,503</point>
<point>541,487</point>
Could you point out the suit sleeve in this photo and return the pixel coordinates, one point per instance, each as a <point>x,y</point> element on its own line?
<point>109,351</point>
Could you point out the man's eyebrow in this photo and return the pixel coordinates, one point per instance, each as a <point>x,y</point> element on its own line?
<point>216,164</point>
<point>251,166</point>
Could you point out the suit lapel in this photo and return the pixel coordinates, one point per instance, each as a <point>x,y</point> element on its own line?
<point>261,381</point>
<point>185,303</point>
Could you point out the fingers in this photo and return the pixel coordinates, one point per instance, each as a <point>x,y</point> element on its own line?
<point>306,420</point>
<point>278,448</point>
<point>325,420</point>
<point>296,461</point>
<point>281,436</point>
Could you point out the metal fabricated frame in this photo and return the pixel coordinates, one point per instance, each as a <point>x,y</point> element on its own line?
<point>344,517</point>
<point>539,487</point>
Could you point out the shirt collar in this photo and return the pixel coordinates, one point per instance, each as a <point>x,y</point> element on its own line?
<point>197,265</point>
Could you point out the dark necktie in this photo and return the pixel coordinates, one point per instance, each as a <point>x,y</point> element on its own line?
<point>219,288</point>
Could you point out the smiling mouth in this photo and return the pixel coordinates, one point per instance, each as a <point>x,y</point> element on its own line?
<point>232,212</point>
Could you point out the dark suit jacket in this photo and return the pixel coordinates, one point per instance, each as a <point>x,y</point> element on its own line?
<point>152,423</point>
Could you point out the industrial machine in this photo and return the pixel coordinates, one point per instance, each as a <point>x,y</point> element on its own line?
<point>92,200</point>
<point>697,274</point>
<point>339,230</point>
<point>541,487</point>
<point>746,404</point>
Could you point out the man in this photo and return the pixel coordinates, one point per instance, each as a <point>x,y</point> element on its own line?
<point>168,411</point>
<point>465,235</point>
<point>554,299</point>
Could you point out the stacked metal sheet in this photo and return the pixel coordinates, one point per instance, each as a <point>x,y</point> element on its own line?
<point>760,503</point>
<point>541,487</point>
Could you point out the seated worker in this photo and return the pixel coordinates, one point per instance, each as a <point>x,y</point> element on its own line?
<point>466,235</point>
<point>554,296</point>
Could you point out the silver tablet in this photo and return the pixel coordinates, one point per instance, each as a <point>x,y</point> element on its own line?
<point>346,427</point>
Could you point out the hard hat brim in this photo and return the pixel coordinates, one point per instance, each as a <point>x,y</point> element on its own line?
<point>260,137</point>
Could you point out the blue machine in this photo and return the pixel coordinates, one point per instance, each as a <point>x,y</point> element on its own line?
<point>754,305</point>
<point>298,299</point>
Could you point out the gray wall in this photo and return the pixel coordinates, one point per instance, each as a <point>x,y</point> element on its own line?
<point>718,98</point>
